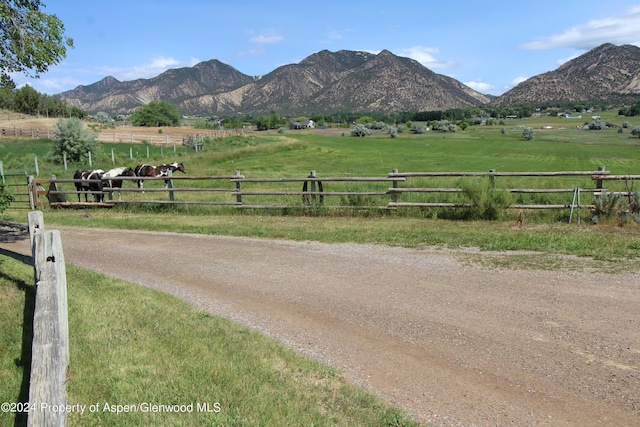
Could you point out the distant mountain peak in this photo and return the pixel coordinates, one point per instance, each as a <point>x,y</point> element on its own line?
<point>323,82</point>
<point>605,73</point>
<point>357,81</point>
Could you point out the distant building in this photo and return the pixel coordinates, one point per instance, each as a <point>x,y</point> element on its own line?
<point>308,124</point>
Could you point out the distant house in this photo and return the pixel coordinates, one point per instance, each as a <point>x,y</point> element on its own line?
<point>308,124</point>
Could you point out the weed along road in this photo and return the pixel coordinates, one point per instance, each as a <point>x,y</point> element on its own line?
<point>452,342</point>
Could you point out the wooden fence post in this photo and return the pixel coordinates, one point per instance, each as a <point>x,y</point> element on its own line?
<point>238,189</point>
<point>394,198</point>
<point>170,185</point>
<point>599,181</point>
<point>50,347</point>
<point>32,192</point>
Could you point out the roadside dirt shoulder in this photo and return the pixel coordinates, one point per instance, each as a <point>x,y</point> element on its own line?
<point>454,344</point>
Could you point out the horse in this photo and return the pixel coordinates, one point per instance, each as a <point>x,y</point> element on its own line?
<point>90,181</point>
<point>149,171</point>
<point>175,166</point>
<point>115,173</point>
<point>145,170</point>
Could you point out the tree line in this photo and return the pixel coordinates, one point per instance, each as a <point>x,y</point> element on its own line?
<point>27,100</point>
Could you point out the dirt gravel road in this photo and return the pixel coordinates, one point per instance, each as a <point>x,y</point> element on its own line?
<point>454,344</point>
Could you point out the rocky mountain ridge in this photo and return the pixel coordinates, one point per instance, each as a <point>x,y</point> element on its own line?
<point>607,72</point>
<point>354,81</point>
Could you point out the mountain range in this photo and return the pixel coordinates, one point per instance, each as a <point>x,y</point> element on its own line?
<point>354,81</point>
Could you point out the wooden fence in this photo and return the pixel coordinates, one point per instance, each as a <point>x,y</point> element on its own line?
<point>50,346</point>
<point>192,139</point>
<point>388,192</point>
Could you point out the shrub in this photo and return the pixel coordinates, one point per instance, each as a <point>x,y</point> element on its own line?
<point>5,197</point>
<point>418,128</point>
<point>73,140</point>
<point>360,130</point>
<point>488,202</point>
<point>527,133</point>
<point>606,205</point>
<point>636,131</point>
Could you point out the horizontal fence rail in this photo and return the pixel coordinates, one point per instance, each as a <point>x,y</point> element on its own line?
<point>397,190</point>
<point>127,137</point>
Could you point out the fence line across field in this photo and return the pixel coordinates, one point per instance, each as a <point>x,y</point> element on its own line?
<point>239,193</point>
<point>125,137</point>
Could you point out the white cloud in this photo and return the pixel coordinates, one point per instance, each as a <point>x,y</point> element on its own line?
<point>518,80</point>
<point>269,38</point>
<point>565,60</point>
<point>621,29</point>
<point>482,87</point>
<point>157,66</point>
<point>425,56</point>
<point>515,82</point>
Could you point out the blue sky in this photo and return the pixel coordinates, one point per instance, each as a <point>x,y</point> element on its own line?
<point>489,46</point>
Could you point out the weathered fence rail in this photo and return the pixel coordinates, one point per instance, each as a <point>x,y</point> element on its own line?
<point>193,139</point>
<point>244,192</point>
<point>31,133</point>
<point>50,346</point>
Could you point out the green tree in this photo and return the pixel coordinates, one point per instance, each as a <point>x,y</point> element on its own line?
<point>76,112</point>
<point>26,100</point>
<point>6,98</point>
<point>30,40</point>
<point>157,113</point>
<point>73,140</point>
<point>5,197</point>
<point>103,118</point>
<point>51,106</point>
<point>527,133</point>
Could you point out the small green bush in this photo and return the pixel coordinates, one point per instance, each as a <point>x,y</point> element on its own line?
<point>72,139</point>
<point>488,202</point>
<point>606,205</point>
<point>5,197</point>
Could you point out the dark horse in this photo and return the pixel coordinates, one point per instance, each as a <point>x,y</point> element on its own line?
<point>145,170</point>
<point>89,181</point>
<point>110,178</point>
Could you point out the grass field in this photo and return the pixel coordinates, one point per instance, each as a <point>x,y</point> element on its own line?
<point>123,357</point>
<point>562,147</point>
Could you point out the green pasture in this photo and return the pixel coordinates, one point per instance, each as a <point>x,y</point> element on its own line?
<point>557,146</point>
<point>563,147</point>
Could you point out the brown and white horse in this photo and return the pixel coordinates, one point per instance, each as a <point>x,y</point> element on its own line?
<point>151,171</point>
<point>89,181</point>
<point>110,178</point>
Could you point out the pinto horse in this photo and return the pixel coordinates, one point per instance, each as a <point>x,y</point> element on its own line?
<point>149,171</point>
<point>111,175</point>
<point>145,170</point>
<point>89,181</point>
